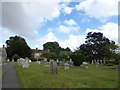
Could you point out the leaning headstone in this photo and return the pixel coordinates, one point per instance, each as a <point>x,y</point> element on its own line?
<point>53,67</point>
<point>66,66</point>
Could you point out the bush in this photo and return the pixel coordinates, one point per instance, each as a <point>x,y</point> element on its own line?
<point>76,59</point>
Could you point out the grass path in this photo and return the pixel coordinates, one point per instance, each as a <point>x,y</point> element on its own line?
<point>39,76</point>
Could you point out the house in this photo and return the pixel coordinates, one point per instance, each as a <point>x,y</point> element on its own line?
<point>37,52</point>
<point>3,54</point>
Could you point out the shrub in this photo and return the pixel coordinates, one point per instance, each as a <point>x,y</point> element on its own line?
<point>76,59</point>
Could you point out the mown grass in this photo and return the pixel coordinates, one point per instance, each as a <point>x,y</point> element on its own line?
<point>39,76</point>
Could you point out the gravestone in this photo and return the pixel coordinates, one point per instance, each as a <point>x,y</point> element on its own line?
<point>12,60</point>
<point>7,60</point>
<point>30,61</point>
<point>45,60</point>
<point>38,62</point>
<point>100,61</point>
<point>70,62</point>
<point>23,62</point>
<point>104,62</point>
<point>53,67</point>
<point>92,62</point>
<point>66,66</point>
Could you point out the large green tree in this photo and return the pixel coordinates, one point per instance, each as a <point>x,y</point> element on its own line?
<point>54,47</point>
<point>97,46</point>
<point>17,45</point>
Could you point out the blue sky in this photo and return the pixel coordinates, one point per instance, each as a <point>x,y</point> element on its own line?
<point>65,22</point>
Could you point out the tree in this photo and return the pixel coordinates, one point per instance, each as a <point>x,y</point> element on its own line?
<point>97,46</point>
<point>49,55</point>
<point>17,45</point>
<point>64,56</point>
<point>52,47</point>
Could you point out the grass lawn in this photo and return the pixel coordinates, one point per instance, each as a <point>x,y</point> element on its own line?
<point>39,76</point>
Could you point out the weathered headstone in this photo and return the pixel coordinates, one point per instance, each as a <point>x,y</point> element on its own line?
<point>38,62</point>
<point>70,62</point>
<point>66,66</point>
<point>104,62</point>
<point>53,67</point>
<point>23,62</point>
<point>100,61</point>
<point>92,62</point>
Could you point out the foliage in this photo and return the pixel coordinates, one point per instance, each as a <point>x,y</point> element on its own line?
<point>64,56</point>
<point>17,45</point>
<point>77,59</point>
<point>97,46</point>
<point>49,55</point>
<point>54,47</point>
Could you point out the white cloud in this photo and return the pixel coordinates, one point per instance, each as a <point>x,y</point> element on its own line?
<point>68,29</point>
<point>100,9</point>
<point>70,22</point>
<point>24,19</point>
<point>72,42</point>
<point>110,30</point>
<point>85,20</point>
<point>65,9</point>
<point>50,29</point>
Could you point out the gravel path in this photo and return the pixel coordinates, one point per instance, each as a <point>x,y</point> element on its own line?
<point>10,79</point>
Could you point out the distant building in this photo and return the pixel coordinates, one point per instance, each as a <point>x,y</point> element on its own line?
<point>3,54</point>
<point>37,52</point>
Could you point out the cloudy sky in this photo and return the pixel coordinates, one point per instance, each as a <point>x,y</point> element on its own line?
<point>66,22</point>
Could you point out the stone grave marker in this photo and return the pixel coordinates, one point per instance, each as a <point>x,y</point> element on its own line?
<point>101,62</point>
<point>66,66</point>
<point>38,62</point>
<point>92,62</point>
<point>53,67</point>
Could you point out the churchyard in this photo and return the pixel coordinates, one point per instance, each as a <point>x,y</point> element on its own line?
<point>58,74</point>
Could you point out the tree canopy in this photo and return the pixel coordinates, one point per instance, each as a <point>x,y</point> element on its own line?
<point>97,46</point>
<point>54,47</point>
<point>17,45</point>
